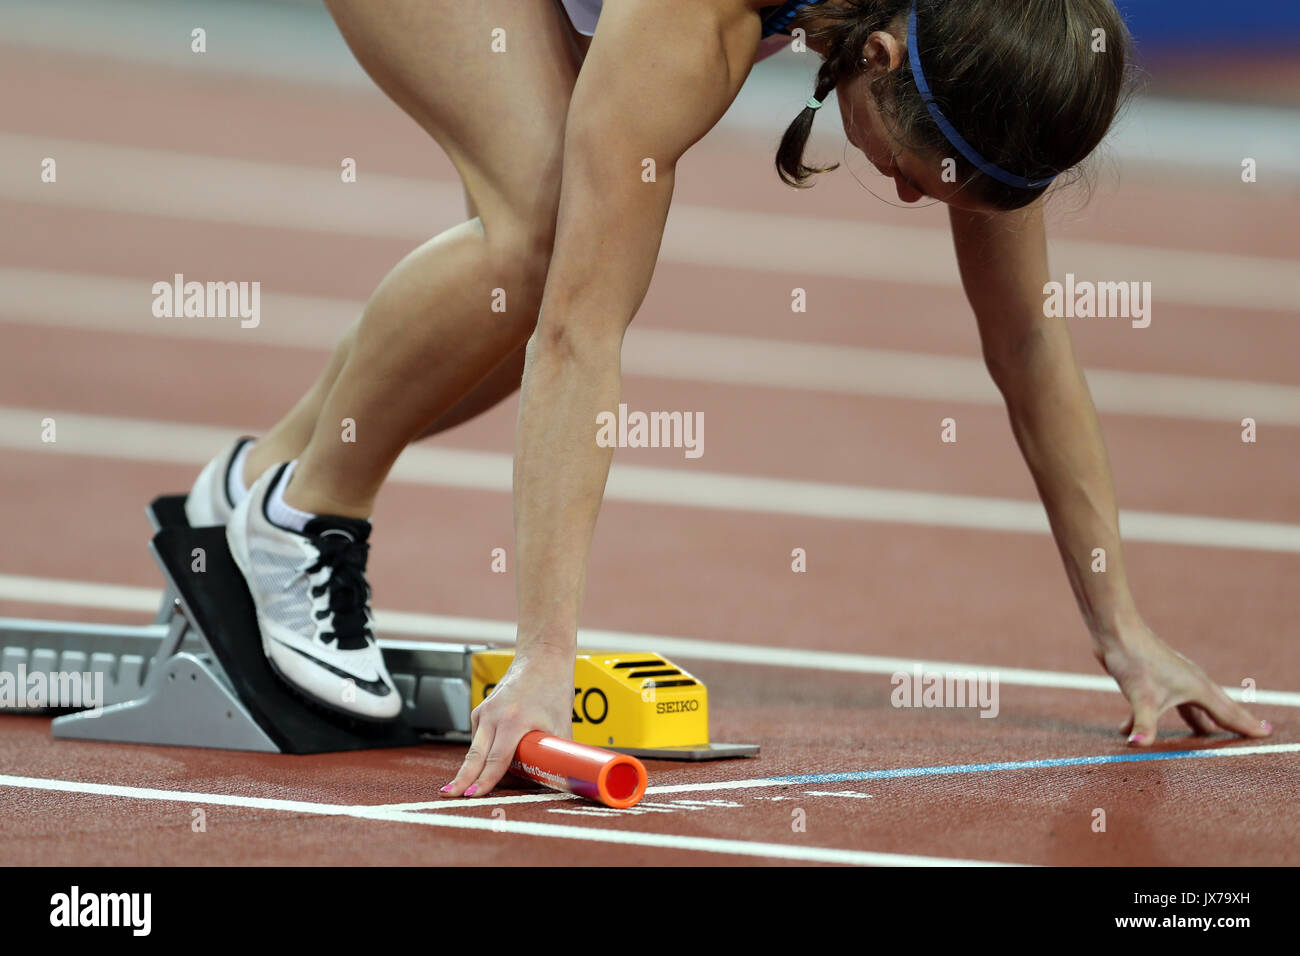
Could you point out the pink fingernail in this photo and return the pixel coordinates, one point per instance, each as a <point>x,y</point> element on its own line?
<point>1268,728</point>
<point>445,789</point>
<point>1136,738</point>
<point>473,788</point>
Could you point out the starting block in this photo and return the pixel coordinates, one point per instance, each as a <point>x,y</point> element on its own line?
<point>197,676</point>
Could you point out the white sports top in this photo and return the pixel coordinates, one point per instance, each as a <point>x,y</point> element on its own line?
<point>583,14</point>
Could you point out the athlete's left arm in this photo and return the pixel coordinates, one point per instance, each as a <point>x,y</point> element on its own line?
<point>1003,262</point>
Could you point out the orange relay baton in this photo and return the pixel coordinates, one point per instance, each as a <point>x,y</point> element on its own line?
<point>615,780</point>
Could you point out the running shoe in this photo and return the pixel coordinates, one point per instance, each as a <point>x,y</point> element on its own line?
<point>209,501</point>
<point>312,603</point>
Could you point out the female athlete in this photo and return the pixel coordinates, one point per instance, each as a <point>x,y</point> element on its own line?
<point>979,104</point>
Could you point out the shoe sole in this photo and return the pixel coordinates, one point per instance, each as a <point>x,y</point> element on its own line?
<point>319,703</point>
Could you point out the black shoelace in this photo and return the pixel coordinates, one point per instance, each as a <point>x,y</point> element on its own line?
<point>349,594</point>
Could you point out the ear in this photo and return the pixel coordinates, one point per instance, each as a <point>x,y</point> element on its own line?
<point>882,53</point>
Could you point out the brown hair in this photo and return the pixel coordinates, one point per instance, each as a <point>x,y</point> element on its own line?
<point>1018,79</point>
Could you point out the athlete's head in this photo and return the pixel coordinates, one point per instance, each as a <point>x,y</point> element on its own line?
<point>1019,91</point>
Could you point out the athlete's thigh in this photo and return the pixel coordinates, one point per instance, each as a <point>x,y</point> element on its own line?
<point>490,80</point>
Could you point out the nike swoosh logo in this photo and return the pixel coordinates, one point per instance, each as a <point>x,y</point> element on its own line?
<point>376,687</point>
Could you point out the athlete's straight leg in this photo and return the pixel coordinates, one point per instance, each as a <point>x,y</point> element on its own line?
<point>429,350</point>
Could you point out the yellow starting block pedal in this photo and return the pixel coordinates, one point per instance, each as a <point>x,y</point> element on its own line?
<point>639,704</point>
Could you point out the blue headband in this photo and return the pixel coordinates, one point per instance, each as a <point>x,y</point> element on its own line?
<point>949,131</point>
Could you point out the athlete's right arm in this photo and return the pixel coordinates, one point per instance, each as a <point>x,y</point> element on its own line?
<point>638,105</point>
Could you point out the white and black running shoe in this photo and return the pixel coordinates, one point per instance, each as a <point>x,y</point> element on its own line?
<point>209,500</point>
<point>312,603</point>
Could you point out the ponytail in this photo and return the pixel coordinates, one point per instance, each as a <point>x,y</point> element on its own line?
<point>845,29</point>
<point>789,156</point>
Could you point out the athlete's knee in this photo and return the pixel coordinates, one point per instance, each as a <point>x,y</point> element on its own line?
<point>521,255</point>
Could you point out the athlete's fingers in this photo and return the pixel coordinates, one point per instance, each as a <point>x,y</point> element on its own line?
<point>1197,719</point>
<point>1143,731</point>
<point>472,766</point>
<point>1230,715</point>
<point>498,761</point>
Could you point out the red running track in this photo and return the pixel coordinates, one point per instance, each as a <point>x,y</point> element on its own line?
<point>988,598</point>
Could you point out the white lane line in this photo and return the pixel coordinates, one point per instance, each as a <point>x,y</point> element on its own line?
<point>838,793</point>
<point>64,593</point>
<point>449,803</point>
<point>842,248</point>
<point>635,838</point>
<point>120,306</point>
<point>278,195</point>
<point>667,841</point>
<point>882,373</point>
<point>177,796</point>
<point>129,439</point>
<point>195,186</point>
<point>795,782</point>
<point>34,590</point>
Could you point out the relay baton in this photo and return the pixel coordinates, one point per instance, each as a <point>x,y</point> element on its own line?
<point>616,780</point>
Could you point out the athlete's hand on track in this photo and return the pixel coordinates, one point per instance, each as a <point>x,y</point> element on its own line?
<point>536,693</point>
<point>1154,677</point>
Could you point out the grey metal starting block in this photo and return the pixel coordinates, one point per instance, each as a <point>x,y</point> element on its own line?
<point>197,676</point>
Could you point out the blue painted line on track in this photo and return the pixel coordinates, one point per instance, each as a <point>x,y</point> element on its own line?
<point>1032,764</point>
